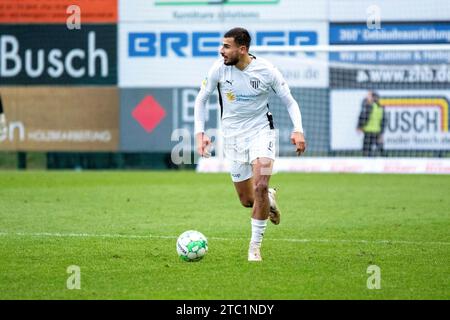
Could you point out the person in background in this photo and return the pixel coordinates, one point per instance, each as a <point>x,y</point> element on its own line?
<point>372,122</point>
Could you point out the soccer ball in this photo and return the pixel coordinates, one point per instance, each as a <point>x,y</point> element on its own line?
<point>192,246</point>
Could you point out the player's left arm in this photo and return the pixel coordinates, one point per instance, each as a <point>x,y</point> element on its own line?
<point>281,88</point>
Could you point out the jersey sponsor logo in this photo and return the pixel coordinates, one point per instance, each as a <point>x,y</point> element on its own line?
<point>205,44</point>
<point>230,96</point>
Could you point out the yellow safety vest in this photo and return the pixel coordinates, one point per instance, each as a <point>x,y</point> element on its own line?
<point>375,118</point>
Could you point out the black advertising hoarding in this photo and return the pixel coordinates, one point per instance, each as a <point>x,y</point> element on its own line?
<point>55,55</point>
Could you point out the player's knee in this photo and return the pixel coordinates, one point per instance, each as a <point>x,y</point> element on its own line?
<point>261,187</point>
<point>246,201</point>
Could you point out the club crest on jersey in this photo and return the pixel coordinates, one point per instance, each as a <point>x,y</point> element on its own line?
<point>254,83</point>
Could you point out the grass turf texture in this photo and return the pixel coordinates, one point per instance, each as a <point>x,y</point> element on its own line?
<point>340,217</point>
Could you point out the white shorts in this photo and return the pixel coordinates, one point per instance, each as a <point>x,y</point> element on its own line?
<point>241,152</point>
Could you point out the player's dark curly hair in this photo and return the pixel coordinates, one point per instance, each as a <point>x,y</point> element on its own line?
<point>240,36</point>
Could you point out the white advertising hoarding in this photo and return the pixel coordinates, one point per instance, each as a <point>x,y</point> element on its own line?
<point>338,164</point>
<point>415,119</point>
<point>153,55</point>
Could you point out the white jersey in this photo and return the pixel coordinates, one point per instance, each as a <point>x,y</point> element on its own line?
<point>243,96</point>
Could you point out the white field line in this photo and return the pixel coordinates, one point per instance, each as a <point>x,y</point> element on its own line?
<point>123,236</point>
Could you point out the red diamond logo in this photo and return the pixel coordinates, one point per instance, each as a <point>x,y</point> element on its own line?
<point>148,113</point>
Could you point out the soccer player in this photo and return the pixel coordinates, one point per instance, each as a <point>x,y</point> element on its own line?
<point>244,83</point>
<point>3,126</point>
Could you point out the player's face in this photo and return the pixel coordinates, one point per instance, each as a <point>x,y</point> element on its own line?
<point>230,51</point>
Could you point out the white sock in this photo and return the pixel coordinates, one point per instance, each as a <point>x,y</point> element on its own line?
<point>258,228</point>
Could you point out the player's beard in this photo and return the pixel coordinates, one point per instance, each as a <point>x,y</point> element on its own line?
<point>231,62</point>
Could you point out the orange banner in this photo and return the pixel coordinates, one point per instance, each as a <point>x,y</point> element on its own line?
<point>57,11</point>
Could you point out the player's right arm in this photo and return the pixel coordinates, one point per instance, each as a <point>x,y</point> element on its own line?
<point>209,84</point>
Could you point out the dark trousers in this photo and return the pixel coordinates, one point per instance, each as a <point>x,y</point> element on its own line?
<point>372,143</point>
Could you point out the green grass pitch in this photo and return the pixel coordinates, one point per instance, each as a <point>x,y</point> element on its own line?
<point>120,228</point>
